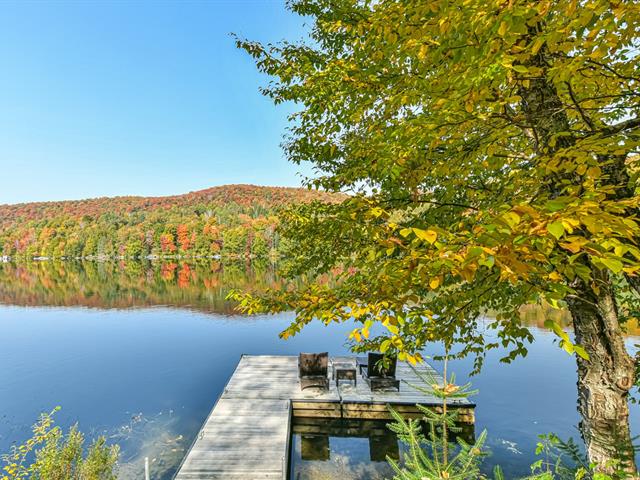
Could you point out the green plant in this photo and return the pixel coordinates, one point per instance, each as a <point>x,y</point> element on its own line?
<point>51,455</point>
<point>434,455</point>
<point>564,460</point>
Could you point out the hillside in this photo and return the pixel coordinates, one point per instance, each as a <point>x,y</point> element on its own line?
<point>233,220</point>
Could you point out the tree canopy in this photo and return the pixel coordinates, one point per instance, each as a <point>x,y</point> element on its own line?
<point>491,148</point>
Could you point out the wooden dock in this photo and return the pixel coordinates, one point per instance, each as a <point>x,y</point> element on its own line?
<point>247,433</point>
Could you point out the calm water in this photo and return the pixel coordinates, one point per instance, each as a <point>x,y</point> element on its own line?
<point>140,352</point>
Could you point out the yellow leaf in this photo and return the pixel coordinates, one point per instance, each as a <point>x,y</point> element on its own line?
<point>434,283</point>
<point>503,28</point>
<point>440,102</point>
<point>612,264</point>
<point>537,45</point>
<point>511,218</point>
<point>555,276</point>
<point>355,334</point>
<point>422,53</point>
<point>568,225</point>
<point>573,247</point>
<point>594,172</point>
<point>427,235</point>
<point>581,352</point>
<point>392,328</point>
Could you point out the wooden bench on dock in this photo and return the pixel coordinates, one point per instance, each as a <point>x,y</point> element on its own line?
<point>247,433</point>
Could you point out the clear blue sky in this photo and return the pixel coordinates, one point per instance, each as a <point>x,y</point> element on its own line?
<point>103,98</point>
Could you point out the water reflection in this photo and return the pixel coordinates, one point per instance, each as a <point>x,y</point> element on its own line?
<point>345,449</point>
<point>314,447</point>
<point>201,285</point>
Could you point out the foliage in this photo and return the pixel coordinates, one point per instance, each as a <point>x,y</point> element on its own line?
<point>397,97</point>
<point>194,224</point>
<point>51,455</point>
<point>492,151</point>
<point>564,461</point>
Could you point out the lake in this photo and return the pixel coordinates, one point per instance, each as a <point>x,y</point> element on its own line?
<point>139,352</point>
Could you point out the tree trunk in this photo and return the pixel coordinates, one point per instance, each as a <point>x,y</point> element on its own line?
<point>604,379</point>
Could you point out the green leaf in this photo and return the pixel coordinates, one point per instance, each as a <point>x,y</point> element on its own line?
<point>612,264</point>
<point>581,352</point>
<point>554,205</point>
<point>557,329</point>
<point>556,229</point>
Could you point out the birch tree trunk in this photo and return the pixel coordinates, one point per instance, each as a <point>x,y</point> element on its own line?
<point>604,380</point>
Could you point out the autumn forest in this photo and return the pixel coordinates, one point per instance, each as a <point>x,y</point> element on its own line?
<point>233,221</point>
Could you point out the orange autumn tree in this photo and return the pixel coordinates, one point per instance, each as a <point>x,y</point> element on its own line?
<point>184,238</point>
<point>166,242</point>
<point>490,149</point>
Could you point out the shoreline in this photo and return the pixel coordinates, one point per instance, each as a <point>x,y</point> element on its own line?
<point>107,258</point>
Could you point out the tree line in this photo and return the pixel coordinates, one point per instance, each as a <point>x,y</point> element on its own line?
<point>236,221</point>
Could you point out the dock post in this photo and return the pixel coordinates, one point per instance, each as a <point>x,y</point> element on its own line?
<point>146,468</point>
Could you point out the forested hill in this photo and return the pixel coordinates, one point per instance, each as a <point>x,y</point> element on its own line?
<point>232,220</point>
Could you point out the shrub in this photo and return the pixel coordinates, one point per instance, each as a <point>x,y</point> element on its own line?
<point>51,455</point>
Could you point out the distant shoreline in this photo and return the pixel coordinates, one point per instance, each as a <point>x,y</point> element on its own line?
<point>106,258</point>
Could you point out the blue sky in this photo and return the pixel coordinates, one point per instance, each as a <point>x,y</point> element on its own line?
<point>104,98</point>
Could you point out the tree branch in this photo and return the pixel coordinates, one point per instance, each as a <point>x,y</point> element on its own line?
<point>610,69</point>
<point>622,126</point>
<point>584,116</point>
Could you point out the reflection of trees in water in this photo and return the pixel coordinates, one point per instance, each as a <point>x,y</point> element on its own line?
<point>201,285</point>
<point>536,315</point>
<point>342,448</point>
